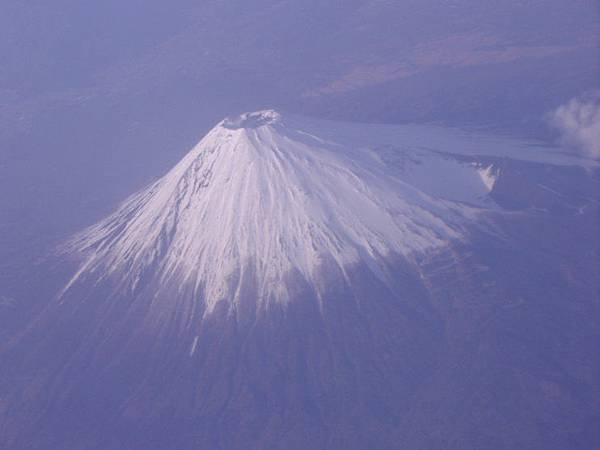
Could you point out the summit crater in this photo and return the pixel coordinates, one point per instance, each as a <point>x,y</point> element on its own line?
<point>250,120</point>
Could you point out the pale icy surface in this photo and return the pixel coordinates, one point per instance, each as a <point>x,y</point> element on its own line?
<point>274,197</point>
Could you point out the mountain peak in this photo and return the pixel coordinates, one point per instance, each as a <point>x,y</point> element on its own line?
<point>254,119</point>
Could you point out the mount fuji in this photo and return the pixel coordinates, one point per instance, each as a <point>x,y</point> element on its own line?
<point>263,199</point>
<point>302,283</point>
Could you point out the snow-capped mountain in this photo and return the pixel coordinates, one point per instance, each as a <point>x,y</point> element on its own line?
<point>260,195</point>
<point>267,199</point>
<point>297,283</point>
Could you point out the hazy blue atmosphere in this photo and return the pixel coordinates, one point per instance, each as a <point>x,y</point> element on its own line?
<point>98,100</point>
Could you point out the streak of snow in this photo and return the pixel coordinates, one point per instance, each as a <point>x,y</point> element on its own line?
<point>194,344</point>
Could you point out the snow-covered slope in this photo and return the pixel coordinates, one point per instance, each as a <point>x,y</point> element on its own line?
<point>263,195</point>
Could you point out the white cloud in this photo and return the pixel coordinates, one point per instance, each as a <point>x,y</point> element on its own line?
<point>579,123</point>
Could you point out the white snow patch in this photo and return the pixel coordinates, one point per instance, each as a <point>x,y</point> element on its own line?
<point>488,177</point>
<point>194,344</point>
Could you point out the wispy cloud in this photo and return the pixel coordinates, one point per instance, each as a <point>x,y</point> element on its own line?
<point>579,123</point>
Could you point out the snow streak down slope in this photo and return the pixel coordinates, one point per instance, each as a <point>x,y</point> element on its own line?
<point>259,196</point>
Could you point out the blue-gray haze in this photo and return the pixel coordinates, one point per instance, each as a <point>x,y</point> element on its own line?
<point>97,99</point>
